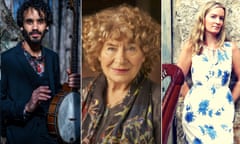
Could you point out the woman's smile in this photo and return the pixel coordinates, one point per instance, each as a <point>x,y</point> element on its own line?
<point>120,70</point>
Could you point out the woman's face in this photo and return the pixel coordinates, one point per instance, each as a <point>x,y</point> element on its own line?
<point>121,60</point>
<point>213,20</point>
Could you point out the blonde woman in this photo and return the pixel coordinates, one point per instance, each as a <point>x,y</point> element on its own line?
<point>208,109</point>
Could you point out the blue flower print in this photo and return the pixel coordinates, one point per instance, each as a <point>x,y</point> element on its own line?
<point>188,107</point>
<point>211,73</point>
<point>210,113</point>
<point>213,90</point>
<point>202,130</point>
<point>207,77</point>
<point>189,117</point>
<point>198,83</point>
<point>192,70</point>
<point>225,55</point>
<point>219,72</point>
<point>227,44</point>
<point>210,131</point>
<point>197,141</point>
<point>225,78</point>
<point>218,113</point>
<point>229,97</point>
<point>205,59</point>
<point>190,91</point>
<point>224,126</point>
<point>220,56</point>
<point>204,119</point>
<point>203,107</point>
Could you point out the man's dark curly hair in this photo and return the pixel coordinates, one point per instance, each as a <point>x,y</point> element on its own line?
<point>39,5</point>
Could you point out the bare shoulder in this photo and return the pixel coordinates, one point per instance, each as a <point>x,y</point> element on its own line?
<point>187,47</point>
<point>235,51</point>
<point>185,57</point>
<point>235,58</point>
<point>234,46</point>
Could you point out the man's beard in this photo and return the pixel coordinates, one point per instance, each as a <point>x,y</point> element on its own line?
<point>33,41</point>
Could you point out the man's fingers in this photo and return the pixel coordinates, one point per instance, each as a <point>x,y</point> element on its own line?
<point>41,94</point>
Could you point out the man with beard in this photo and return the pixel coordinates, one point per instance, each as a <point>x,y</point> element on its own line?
<point>30,78</point>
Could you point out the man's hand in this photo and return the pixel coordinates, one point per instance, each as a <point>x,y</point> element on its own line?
<point>73,79</point>
<point>42,93</point>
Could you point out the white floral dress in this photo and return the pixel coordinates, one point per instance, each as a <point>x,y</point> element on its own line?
<point>208,110</point>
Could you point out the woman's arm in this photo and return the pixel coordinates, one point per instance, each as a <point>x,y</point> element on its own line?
<point>184,62</point>
<point>236,68</point>
<point>185,58</point>
<point>184,89</point>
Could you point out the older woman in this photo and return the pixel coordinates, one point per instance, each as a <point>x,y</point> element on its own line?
<point>121,105</point>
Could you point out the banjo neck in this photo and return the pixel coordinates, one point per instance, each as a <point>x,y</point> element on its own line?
<point>74,5</point>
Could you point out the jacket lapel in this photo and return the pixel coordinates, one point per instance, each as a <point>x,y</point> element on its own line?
<point>26,67</point>
<point>49,72</point>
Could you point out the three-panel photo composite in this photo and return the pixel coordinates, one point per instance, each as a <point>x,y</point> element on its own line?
<point>120,72</point>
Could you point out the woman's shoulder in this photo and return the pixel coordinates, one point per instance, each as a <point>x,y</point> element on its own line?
<point>155,90</point>
<point>227,44</point>
<point>186,49</point>
<point>85,89</point>
<point>234,45</point>
<point>187,45</point>
<point>230,44</point>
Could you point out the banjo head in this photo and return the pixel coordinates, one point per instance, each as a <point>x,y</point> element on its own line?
<point>68,118</point>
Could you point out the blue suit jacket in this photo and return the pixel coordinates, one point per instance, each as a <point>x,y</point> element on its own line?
<point>18,81</point>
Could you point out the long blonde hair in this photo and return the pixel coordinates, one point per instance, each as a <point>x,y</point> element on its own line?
<point>197,36</point>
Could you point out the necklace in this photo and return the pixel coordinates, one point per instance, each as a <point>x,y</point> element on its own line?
<point>211,53</point>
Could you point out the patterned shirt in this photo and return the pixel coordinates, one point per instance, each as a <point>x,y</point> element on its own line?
<point>37,63</point>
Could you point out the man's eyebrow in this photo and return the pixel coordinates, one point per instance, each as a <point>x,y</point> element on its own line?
<point>28,20</point>
<point>36,19</point>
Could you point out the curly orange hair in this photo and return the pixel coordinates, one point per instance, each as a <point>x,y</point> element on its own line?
<point>115,22</point>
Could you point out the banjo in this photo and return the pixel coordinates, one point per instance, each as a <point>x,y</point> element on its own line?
<point>64,111</point>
